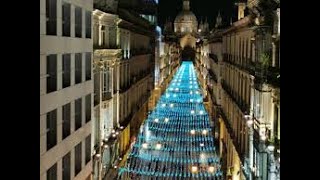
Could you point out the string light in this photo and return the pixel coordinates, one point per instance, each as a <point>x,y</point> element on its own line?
<point>161,136</point>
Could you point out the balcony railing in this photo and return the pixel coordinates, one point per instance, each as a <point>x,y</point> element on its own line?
<point>106,96</point>
<point>269,75</point>
<point>246,65</point>
<point>141,75</point>
<point>242,105</point>
<point>141,51</point>
<point>212,75</point>
<point>124,88</point>
<point>213,57</point>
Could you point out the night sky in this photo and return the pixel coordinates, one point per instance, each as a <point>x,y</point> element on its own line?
<point>201,8</point>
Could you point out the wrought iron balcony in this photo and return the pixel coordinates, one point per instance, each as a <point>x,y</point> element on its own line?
<point>212,75</point>
<point>213,57</point>
<point>106,96</point>
<point>236,99</point>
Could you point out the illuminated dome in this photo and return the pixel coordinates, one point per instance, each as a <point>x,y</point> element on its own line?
<point>186,21</point>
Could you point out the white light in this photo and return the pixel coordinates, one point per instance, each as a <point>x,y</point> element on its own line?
<point>177,89</point>
<point>171,105</point>
<point>98,155</point>
<point>156,120</point>
<point>211,169</point>
<point>190,87</point>
<point>271,148</point>
<point>250,122</point>
<point>201,112</point>
<point>194,169</point>
<point>279,160</point>
<point>163,105</point>
<point>168,95</point>
<point>144,145</point>
<point>204,132</point>
<point>174,95</point>
<point>199,100</point>
<point>121,127</point>
<point>113,131</point>
<point>117,133</point>
<point>263,137</point>
<point>192,131</point>
<point>158,146</point>
<point>191,100</point>
<point>202,156</point>
<point>115,167</point>
<point>106,146</point>
<point>197,92</point>
<point>120,158</point>
<point>192,111</point>
<point>114,135</point>
<point>191,92</point>
<point>201,145</point>
<point>166,120</point>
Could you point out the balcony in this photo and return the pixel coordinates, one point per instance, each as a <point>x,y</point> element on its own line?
<point>212,75</point>
<point>124,88</point>
<point>246,65</point>
<point>105,6</point>
<point>269,75</point>
<point>106,96</point>
<point>141,51</point>
<point>105,46</point>
<point>213,57</point>
<point>140,75</point>
<point>236,99</point>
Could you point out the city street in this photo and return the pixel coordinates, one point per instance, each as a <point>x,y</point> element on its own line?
<point>176,140</point>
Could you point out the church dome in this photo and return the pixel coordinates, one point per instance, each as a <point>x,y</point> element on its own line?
<point>186,16</point>
<point>186,21</point>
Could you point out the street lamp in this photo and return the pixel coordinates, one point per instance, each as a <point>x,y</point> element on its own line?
<point>249,122</point>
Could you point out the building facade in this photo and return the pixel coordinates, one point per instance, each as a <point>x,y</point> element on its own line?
<point>66,89</point>
<point>240,68</point>
<point>124,66</point>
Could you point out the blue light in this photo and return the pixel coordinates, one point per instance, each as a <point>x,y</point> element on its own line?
<point>178,134</point>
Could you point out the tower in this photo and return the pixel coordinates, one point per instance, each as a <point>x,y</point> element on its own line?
<point>218,20</point>
<point>186,5</point>
<point>241,8</point>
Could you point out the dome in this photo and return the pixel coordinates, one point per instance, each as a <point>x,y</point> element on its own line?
<point>186,21</point>
<point>186,16</point>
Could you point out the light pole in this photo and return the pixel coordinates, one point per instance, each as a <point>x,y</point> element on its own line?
<point>249,122</point>
<point>272,165</point>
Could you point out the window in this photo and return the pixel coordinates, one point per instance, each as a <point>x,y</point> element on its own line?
<point>66,167</point>
<point>88,149</point>
<point>88,24</point>
<point>66,68</point>
<point>52,173</point>
<point>66,116</point>
<point>78,70</point>
<point>51,15</point>
<point>51,129</point>
<point>78,22</point>
<point>77,159</point>
<point>103,35</point>
<point>51,73</point>
<point>88,108</point>
<point>66,14</point>
<point>78,113</point>
<point>88,66</point>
